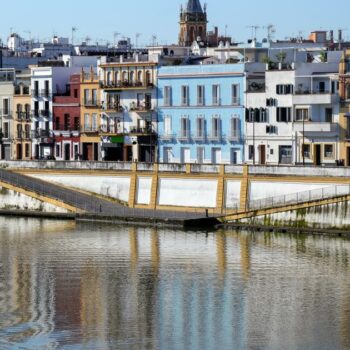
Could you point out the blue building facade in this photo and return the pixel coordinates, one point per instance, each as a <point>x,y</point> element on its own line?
<point>201,114</point>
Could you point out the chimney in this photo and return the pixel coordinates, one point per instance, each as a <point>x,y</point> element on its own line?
<point>340,35</point>
<point>331,36</point>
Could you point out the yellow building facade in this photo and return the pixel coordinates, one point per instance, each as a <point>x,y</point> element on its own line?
<point>90,123</point>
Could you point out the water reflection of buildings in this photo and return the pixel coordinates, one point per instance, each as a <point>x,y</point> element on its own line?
<point>147,288</point>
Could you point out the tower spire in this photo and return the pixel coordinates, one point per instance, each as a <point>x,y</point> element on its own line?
<point>194,6</point>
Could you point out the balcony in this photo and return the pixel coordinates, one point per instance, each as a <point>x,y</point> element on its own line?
<point>23,117</point>
<point>141,107</point>
<point>126,85</point>
<point>36,113</point>
<point>167,137</point>
<point>92,104</point>
<point>216,137</point>
<point>315,127</point>
<point>45,113</point>
<point>89,129</point>
<point>113,108</point>
<point>234,137</point>
<point>312,97</point>
<point>46,93</point>
<point>35,93</point>
<point>199,137</point>
<point>40,133</point>
<point>184,136</point>
<point>141,131</point>
<point>67,127</point>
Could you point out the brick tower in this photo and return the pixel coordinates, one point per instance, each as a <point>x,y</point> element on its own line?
<point>193,23</point>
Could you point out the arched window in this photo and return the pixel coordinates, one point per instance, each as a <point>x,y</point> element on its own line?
<point>125,76</point>
<point>19,111</point>
<point>132,77</point>
<point>116,77</point>
<point>109,81</point>
<point>148,77</point>
<point>139,77</point>
<point>27,111</point>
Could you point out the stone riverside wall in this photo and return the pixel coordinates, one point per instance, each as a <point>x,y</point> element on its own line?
<point>196,187</point>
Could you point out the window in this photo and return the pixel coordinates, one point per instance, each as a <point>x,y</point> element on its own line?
<point>185,126</point>
<point>306,151</point>
<point>234,155</point>
<point>235,129</point>
<point>94,96</point>
<point>19,131</point>
<point>167,125</point>
<point>6,106</point>
<point>94,121</point>
<point>301,114</point>
<point>167,154</point>
<point>200,95</point>
<point>76,123</point>
<point>284,89</point>
<point>75,93</point>
<point>58,153</point>
<point>284,114</point>
<point>271,129</point>
<point>27,131</point>
<point>184,96</point>
<point>86,96</point>
<point>26,150</point>
<point>216,128</point>
<point>257,115</point>
<point>66,121</point>
<point>36,88</point>
<point>167,96</point>
<point>6,132</point>
<point>271,102</point>
<point>251,152</point>
<point>328,151</point>
<point>235,94</point>
<point>329,115</point>
<point>200,124</point>
<point>87,122</point>
<point>216,95</point>
<point>57,123</point>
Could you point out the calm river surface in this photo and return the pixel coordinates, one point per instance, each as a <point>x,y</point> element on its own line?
<point>82,286</point>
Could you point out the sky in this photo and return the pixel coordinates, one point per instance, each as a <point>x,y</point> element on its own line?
<point>100,19</point>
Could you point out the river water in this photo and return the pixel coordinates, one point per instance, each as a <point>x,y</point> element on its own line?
<point>82,286</point>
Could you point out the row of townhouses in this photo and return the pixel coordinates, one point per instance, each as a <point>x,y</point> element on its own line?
<point>136,110</point>
<point>195,102</point>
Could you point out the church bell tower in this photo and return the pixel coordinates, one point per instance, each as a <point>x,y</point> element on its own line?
<point>193,23</point>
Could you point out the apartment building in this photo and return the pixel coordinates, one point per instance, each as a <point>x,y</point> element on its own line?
<point>7,89</point>
<point>46,82</point>
<point>90,102</point>
<point>128,113</point>
<point>201,114</point>
<point>21,126</point>
<point>292,114</point>
<point>66,121</point>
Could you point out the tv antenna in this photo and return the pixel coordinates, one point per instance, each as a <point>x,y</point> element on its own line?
<point>254,29</point>
<point>74,29</point>
<point>271,30</point>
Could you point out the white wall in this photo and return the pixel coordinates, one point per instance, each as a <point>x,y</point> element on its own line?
<point>14,200</point>
<point>267,189</point>
<point>117,187</point>
<point>188,193</point>
<point>143,190</point>
<point>233,192</point>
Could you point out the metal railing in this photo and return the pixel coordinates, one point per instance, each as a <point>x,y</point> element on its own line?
<point>300,197</point>
<point>93,205</point>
